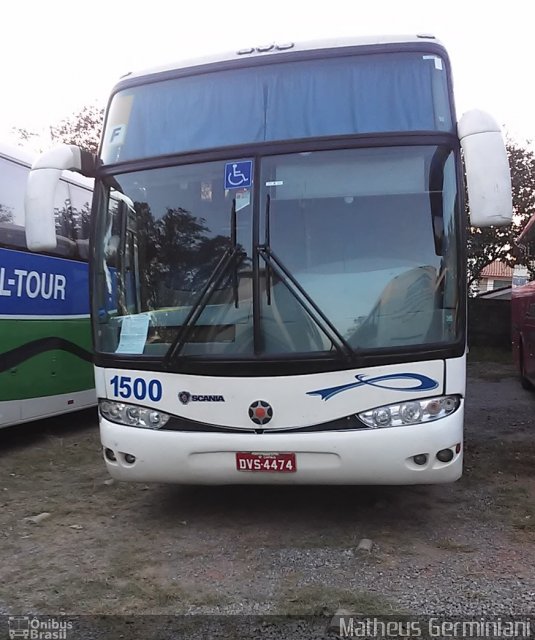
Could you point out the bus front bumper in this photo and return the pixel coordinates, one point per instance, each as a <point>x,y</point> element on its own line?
<point>375,456</point>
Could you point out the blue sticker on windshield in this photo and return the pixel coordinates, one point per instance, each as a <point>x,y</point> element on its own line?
<point>239,175</point>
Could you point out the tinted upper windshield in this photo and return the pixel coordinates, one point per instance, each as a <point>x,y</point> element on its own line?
<point>313,98</point>
<point>368,236</point>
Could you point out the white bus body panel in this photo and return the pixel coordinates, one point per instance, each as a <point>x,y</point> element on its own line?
<point>16,411</point>
<point>363,456</point>
<point>375,456</point>
<point>290,396</point>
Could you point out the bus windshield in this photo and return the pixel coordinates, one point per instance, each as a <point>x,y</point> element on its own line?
<point>342,95</point>
<point>343,249</point>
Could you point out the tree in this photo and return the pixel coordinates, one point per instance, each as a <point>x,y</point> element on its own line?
<point>497,243</point>
<point>25,136</point>
<point>82,129</point>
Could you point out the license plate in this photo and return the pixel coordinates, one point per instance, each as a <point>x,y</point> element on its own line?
<point>266,462</point>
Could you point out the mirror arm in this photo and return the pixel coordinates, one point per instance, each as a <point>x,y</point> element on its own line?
<point>68,157</point>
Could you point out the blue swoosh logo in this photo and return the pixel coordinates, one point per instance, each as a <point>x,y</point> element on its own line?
<point>423,384</point>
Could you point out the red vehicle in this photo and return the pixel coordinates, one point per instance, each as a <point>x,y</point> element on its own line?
<point>523,315</point>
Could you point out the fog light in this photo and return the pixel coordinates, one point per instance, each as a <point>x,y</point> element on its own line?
<point>110,455</point>
<point>420,459</point>
<point>445,455</point>
<point>128,457</point>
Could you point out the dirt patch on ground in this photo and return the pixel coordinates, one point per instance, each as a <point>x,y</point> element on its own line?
<point>466,548</point>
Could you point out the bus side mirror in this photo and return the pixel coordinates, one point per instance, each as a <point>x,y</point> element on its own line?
<point>43,180</point>
<point>488,177</point>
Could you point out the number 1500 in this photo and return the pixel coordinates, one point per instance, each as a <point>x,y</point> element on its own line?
<point>126,387</point>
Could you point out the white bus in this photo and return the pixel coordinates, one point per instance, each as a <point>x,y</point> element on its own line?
<point>278,278</point>
<point>45,334</point>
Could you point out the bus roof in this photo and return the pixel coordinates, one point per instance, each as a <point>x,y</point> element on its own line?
<point>245,55</point>
<point>26,157</point>
<point>18,154</point>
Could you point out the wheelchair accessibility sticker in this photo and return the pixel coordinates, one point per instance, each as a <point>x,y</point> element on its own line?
<point>239,175</point>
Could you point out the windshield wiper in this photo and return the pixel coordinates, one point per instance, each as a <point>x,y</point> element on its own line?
<point>276,265</point>
<point>232,256</point>
<point>234,244</point>
<point>267,243</point>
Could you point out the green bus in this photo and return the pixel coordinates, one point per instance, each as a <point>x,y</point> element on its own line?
<point>45,337</point>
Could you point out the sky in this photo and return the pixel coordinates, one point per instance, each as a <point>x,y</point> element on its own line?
<point>59,56</point>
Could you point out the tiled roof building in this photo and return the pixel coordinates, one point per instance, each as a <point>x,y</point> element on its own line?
<point>497,270</point>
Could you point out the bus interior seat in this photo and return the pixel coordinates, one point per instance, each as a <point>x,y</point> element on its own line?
<point>404,314</point>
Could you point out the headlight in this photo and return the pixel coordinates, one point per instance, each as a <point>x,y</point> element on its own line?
<point>132,415</point>
<point>412,412</point>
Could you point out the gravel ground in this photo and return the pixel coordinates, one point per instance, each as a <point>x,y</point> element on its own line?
<point>465,549</point>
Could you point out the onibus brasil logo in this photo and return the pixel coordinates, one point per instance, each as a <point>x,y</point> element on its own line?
<point>32,627</point>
